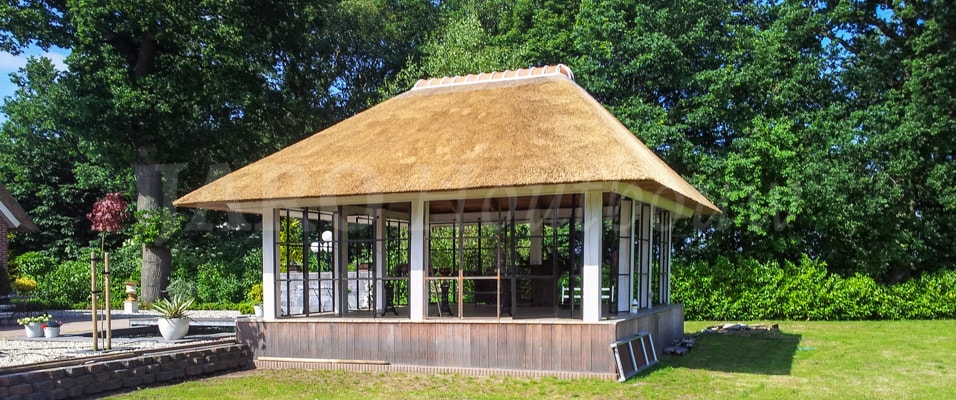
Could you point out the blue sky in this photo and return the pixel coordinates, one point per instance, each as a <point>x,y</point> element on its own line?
<point>10,63</point>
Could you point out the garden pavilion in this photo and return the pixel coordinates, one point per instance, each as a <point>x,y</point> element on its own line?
<point>501,221</point>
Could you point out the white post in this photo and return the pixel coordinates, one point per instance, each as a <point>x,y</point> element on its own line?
<point>591,273</point>
<point>379,267</point>
<point>269,260</point>
<point>666,251</point>
<point>625,256</point>
<point>416,273</point>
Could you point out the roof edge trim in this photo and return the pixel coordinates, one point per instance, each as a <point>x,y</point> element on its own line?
<point>496,76</point>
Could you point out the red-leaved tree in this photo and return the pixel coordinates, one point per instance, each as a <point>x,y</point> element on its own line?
<point>108,214</point>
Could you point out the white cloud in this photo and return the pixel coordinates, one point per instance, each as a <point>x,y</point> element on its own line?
<point>11,63</point>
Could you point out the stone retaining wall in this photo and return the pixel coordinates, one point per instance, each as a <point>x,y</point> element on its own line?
<point>99,377</point>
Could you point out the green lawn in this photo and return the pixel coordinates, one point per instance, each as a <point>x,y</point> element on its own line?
<point>845,360</point>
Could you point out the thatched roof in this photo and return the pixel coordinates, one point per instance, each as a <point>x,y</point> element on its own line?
<point>521,128</point>
<point>13,214</point>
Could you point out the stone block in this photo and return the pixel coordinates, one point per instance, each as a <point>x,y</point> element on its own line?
<point>208,368</point>
<point>36,396</point>
<point>4,393</point>
<point>95,368</point>
<point>55,374</point>
<point>132,382</point>
<point>65,383</point>
<point>179,373</point>
<point>163,376</point>
<point>112,384</point>
<point>11,380</point>
<point>102,376</point>
<point>139,371</point>
<point>120,374</point>
<point>148,379</point>
<point>85,380</point>
<point>75,391</point>
<point>194,370</point>
<point>75,371</point>
<point>113,365</point>
<point>129,364</point>
<point>57,394</point>
<point>44,386</point>
<point>22,389</point>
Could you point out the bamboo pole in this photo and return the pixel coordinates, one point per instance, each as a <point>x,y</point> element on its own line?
<point>93,299</point>
<point>106,299</point>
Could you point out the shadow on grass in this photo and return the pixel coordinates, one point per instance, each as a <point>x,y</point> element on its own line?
<point>767,353</point>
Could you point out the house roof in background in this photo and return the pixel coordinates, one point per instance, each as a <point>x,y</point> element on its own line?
<point>13,214</point>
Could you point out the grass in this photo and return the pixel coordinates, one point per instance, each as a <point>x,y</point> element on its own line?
<point>805,360</point>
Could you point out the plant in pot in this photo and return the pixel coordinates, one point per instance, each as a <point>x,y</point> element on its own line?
<point>255,296</point>
<point>174,320</point>
<point>51,328</point>
<point>34,325</point>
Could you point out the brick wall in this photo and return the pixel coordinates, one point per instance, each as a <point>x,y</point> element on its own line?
<point>96,379</point>
<point>3,244</point>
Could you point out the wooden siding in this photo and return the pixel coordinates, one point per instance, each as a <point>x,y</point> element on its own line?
<point>556,345</point>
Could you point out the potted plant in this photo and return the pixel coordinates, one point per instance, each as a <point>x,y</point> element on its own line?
<point>34,325</point>
<point>255,296</point>
<point>174,321</point>
<point>51,328</point>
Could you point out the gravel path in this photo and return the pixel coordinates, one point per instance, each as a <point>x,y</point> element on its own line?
<point>20,350</point>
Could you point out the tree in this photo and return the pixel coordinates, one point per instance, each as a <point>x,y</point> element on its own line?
<point>171,87</point>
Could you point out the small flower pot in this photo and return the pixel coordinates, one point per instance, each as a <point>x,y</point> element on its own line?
<point>34,329</point>
<point>258,310</point>
<point>51,332</point>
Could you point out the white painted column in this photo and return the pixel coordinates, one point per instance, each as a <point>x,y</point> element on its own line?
<point>270,259</point>
<point>625,257</point>
<point>591,273</point>
<point>644,291</point>
<point>537,242</point>
<point>667,250</point>
<point>379,267</point>
<point>416,273</point>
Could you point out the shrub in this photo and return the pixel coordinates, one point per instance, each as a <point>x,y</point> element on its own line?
<point>33,263</point>
<point>182,288</point>
<point>255,294</point>
<point>753,290</point>
<point>24,284</point>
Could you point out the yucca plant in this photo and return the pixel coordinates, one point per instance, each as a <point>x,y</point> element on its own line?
<point>177,307</point>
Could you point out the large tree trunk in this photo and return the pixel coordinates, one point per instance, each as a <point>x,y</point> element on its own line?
<point>156,258</point>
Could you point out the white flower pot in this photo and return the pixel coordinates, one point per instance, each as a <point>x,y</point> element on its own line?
<point>34,329</point>
<point>51,332</point>
<point>258,310</point>
<point>173,328</point>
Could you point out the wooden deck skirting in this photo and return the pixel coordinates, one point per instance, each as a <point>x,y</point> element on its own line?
<point>547,346</point>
